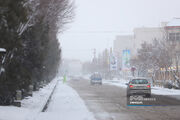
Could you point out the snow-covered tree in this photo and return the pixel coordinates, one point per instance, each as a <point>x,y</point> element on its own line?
<point>28,30</point>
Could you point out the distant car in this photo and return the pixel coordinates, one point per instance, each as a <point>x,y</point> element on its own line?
<point>96,79</point>
<point>139,86</point>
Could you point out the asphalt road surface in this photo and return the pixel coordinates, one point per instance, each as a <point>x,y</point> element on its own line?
<point>108,102</point>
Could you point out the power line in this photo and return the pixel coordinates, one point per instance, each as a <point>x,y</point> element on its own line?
<point>95,32</point>
<point>77,49</point>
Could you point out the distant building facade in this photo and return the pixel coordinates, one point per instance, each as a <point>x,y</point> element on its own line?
<point>173,37</point>
<point>121,43</point>
<point>133,42</point>
<point>173,31</point>
<point>147,34</point>
<point>169,31</point>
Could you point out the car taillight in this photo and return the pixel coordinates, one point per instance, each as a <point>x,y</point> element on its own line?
<point>148,86</point>
<point>131,86</point>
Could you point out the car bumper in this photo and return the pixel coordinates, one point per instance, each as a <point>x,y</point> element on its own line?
<point>139,91</point>
<point>94,81</point>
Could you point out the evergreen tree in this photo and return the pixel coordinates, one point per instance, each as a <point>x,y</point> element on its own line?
<point>28,30</point>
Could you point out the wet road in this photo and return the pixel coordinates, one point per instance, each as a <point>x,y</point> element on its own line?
<point>108,102</point>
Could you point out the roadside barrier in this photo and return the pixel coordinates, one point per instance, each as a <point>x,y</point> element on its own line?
<point>49,99</point>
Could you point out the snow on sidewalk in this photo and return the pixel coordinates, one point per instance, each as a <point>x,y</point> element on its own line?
<point>66,104</point>
<point>31,106</point>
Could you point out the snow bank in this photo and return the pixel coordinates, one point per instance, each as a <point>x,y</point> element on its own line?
<point>31,106</point>
<point>2,50</point>
<point>164,91</point>
<point>116,82</point>
<point>66,104</point>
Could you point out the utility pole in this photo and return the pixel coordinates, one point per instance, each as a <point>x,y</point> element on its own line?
<point>94,53</point>
<point>110,57</point>
<point>94,61</point>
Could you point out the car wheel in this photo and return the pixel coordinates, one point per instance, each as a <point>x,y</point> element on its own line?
<point>128,95</point>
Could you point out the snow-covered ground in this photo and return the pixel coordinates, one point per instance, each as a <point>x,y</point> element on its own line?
<point>66,104</point>
<point>155,90</point>
<point>116,82</point>
<point>31,106</point>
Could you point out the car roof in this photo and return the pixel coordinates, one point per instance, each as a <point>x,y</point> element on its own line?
<point>139,78</point>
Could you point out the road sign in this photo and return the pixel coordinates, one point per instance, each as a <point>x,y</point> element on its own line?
<point>126,60</point>
<point>113,63</point>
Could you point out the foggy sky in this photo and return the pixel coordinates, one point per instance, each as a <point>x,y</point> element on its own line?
<point>97,22</point>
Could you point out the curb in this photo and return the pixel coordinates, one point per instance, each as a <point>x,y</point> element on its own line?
<point>49,99</point>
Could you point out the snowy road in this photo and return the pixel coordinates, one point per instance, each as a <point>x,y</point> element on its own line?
<point>78,100</point>
<point>108,102</point>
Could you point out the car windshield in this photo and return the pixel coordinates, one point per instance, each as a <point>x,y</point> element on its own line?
<point>139,81</point>
<point>97,75</point>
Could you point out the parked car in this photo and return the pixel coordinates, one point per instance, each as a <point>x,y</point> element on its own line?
<point>139,86</point>
<point>96,78</point>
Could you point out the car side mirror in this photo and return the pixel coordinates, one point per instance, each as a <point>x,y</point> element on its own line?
<point>126,84</point>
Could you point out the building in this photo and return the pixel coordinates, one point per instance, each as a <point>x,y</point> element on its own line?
<point>172,30</point>
<point>123,42</point>
<point>147,34</point>
<point>140,35</point>
<point>169,31</point>
<point>133,42</point>
<point>172,33</point>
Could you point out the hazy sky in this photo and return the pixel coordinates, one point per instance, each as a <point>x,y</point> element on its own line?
<point>97,22</point>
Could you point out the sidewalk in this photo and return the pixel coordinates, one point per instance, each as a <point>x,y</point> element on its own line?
<point>66,104</point>
<point>31,106</point>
